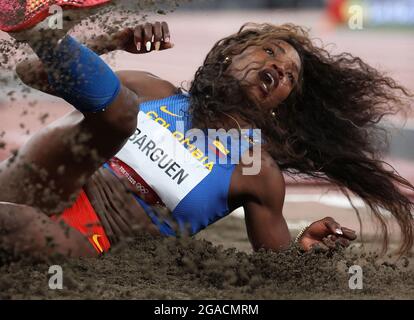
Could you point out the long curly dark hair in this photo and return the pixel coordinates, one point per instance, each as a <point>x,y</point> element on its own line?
<point>327,128</point>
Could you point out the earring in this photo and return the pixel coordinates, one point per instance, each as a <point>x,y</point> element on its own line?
<point>273,113</point>
<point>227,60</point>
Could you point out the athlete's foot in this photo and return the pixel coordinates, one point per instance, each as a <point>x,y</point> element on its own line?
<point>26,20</point>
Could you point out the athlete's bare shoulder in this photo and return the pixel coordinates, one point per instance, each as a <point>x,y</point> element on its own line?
<point>258,178</point>
<point>146,85</point>
<point>269,177</point>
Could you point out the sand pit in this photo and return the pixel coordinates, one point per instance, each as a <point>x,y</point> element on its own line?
<point>151,268</point>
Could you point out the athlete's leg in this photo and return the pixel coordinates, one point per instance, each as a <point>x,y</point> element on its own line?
<point>26,231</point>
<point>56,162</point>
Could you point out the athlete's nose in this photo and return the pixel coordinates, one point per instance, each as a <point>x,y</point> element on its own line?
<point>280,70</point>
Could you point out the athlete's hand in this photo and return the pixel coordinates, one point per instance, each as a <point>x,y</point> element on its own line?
<point>326,234</point>
<point>144,38</point>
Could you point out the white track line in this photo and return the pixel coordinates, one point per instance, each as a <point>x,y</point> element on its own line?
<point>331,200</point>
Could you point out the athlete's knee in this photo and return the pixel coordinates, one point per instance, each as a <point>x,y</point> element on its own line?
<point>79,75</point>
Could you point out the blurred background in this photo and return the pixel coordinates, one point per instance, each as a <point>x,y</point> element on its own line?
<point>381,32</point>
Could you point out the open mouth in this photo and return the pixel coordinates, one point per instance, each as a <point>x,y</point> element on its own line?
<point>269,80</point>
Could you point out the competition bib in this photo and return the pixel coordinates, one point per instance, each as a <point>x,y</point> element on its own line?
<point>162,161</point>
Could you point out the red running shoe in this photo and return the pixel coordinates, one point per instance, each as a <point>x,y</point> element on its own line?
<point>17,15</point>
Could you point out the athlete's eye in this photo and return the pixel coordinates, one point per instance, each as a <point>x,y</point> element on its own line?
<point>270,52</point>
<point>291,77</point>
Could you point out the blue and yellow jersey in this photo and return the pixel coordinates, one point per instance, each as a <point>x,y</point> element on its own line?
<point>189,169</point>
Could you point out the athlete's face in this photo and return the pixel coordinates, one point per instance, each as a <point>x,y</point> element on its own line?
<point>270,72</point>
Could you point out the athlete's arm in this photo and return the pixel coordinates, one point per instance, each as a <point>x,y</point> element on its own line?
<point>266,226</point>
<point>139,40</point>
